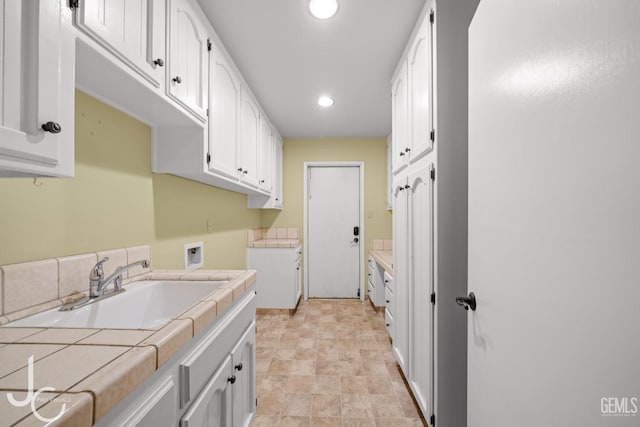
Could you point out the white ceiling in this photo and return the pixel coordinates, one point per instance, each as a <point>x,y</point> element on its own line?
<point>289,58</point>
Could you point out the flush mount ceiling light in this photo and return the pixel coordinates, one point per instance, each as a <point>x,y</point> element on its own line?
<point>325,101</point>
<point>323,9</point>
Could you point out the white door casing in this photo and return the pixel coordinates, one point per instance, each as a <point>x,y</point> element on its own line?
<point>553,213</point>
<point>333,206</point>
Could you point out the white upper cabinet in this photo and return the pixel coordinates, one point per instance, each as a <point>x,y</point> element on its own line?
<point>400,118</point>
<point>133,30</point>
<point>224,99</point>
<point>188,61</point>
<point>36,89</point>
<point>412,95</point>
<point>249,135</point>
<point>420,89</point>
<point>266,156</point>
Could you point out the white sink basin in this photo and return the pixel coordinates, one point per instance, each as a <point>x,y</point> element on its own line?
<point>144,305</point>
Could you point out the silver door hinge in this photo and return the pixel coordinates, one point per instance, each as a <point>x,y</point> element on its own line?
<point>432,16</point>
<point>432,135</point>
<point>433,298</point>
<point>209,45</point>
<point>208,158</point>
<point>433,174</point>
<point>432,420</point>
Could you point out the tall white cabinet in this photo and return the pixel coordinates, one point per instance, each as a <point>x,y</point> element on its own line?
<point>429,192</point>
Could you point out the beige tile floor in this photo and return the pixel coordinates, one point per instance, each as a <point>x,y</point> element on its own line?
<point>329,365</point>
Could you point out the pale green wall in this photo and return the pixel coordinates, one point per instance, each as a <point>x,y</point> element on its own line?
<point>115,201</point>
<point>371,151</point>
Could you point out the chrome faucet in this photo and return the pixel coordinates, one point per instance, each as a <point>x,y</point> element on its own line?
<point>97,282</point>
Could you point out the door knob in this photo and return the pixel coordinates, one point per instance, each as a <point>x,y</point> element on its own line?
<point>159,62</point>
<point>177,79</point>
<point>467,302</point>
<point>238,367</point>
<point>232,379</point>
<point>52,127</point>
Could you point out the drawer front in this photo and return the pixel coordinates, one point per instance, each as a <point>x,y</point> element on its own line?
<point>388,298</point>
<point>388,281</point>
<point>388,321</point>
<point>197,368</point>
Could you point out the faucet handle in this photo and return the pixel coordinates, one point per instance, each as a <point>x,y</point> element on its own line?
<point>96,271</point>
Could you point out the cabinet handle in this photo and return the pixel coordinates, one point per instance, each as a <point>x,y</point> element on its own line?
<point>388,324</point>
<point>406,187</point>
<point>238,367</point>
<point>177,79</point>
<point>52,127</point>
<point>159,62</point>
<point>402,153</point>
<point>277,199</point>
<point>245,172</point>
<point>262,181</point>
<point>406,150</point>
<point>232,379</point>
<point>239,169</point>
<point>386,281</point>
<point>298,268</point>
<point>369,274</point>
<point>388,301</point>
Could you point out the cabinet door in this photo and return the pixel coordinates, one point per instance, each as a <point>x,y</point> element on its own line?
<point>421,286</point>
<point>36,87</point>
<point>266,157</point>
<point>128,29</point>
<point>212,408</point>
<point>278,172</point>
<point>187,78</point>
<point>224,89</point>
<point>400,119</point>
<point>243,357</point>
<point>249,134</point>
<point>420,90</point>
<point>401,275</point>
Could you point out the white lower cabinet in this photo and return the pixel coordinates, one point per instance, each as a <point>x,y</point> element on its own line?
<point>279,276</point>
<point>389,303</point>
<point>243,358</point>
<point>413,284</point>
<point>376,285</point>
<point>210,382</point>
<point>213,406</point>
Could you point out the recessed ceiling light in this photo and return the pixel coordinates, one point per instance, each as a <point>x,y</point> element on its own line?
<point>323,9</point>
<point>325,101</point>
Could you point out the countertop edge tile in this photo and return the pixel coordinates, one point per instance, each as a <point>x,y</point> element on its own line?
<point>114,381</point>
<point>78,411</point>
<point>169,339</point>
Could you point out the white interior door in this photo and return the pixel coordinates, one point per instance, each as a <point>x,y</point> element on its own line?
<point>554,203</point>
<point>333,251</point>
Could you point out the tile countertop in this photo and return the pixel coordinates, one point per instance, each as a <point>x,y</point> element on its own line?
<point>384,258</point>
<point>274,243</point>
<point>91,370</point>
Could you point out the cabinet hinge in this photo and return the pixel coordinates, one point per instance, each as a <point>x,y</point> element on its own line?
<point>432,420</point>
<point>209,45</point>
<point>358,292</point>
<point>433,174</point>
<point>432,16</point>
<point>432,135</point>
<point>73,4</point>
<point>208,158</point>
<point>433,298</point>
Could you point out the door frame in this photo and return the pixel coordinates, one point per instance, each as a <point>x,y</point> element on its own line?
<point>305,231</point>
